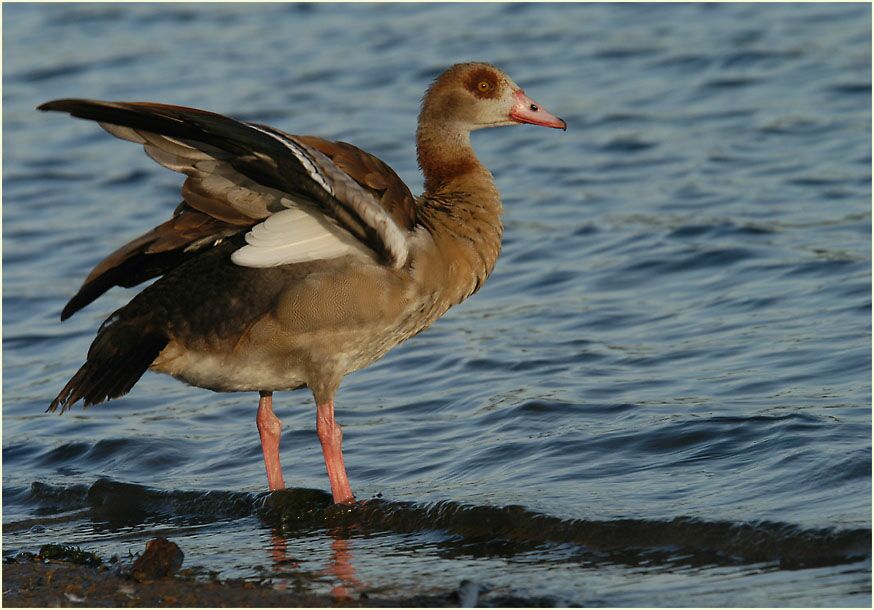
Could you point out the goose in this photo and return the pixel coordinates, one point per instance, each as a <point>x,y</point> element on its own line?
<point>291,260</point>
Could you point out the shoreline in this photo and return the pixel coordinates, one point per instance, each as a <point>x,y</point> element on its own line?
<point>54,583</point>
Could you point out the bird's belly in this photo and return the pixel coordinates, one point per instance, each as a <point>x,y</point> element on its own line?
<point>228,372</point>
<point>287,350</point>
<point>310,360</point>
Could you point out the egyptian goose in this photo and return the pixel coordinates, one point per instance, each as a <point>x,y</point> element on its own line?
<point>293,260</point>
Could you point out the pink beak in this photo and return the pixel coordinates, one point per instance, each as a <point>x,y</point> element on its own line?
<point>526,110</point>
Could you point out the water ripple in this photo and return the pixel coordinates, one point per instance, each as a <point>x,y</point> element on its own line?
<point>673,351</point>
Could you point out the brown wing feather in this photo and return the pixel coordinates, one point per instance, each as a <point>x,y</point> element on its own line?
<point>152,254</point>
<point>373,174</point>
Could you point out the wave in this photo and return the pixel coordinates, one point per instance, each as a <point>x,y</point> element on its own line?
<point>467,529</point>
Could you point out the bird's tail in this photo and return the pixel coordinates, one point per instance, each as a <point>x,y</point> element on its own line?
<point>122,351</point>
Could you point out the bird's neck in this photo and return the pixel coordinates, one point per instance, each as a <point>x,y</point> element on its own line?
<point>460,207</point>
<point>445,155</point>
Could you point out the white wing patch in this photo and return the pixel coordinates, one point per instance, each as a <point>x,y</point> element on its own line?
<point>296,235</point>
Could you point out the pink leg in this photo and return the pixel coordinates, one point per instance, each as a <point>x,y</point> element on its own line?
<point>270,430</point>
<point>331,437</point>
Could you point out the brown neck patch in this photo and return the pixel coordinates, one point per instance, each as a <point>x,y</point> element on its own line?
<point>437,175</point>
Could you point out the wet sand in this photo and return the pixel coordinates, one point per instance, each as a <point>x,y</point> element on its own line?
<point>48,583</point>
<point>65,576</point>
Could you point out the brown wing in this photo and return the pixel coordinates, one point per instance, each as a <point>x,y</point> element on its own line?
<point>238,175</point>
<point>373,174</point>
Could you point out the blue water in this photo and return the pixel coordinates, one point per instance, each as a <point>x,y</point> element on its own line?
<point>679,325</point>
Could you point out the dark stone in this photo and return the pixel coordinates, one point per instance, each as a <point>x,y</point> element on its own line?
<point>161,559</point>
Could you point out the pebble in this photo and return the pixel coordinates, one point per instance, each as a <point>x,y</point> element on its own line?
<point>162,558</point>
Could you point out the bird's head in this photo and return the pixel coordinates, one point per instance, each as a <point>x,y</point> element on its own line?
<point>477,95</point>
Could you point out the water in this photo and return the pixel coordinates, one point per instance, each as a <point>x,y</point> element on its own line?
<point>661,397</point>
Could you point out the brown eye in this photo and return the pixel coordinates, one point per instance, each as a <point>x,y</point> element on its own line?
<point>484,86</point>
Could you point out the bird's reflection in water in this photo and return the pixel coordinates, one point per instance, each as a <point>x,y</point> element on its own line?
<point>279,552</point>
<point>339,566</point>
<point>281,560</point>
